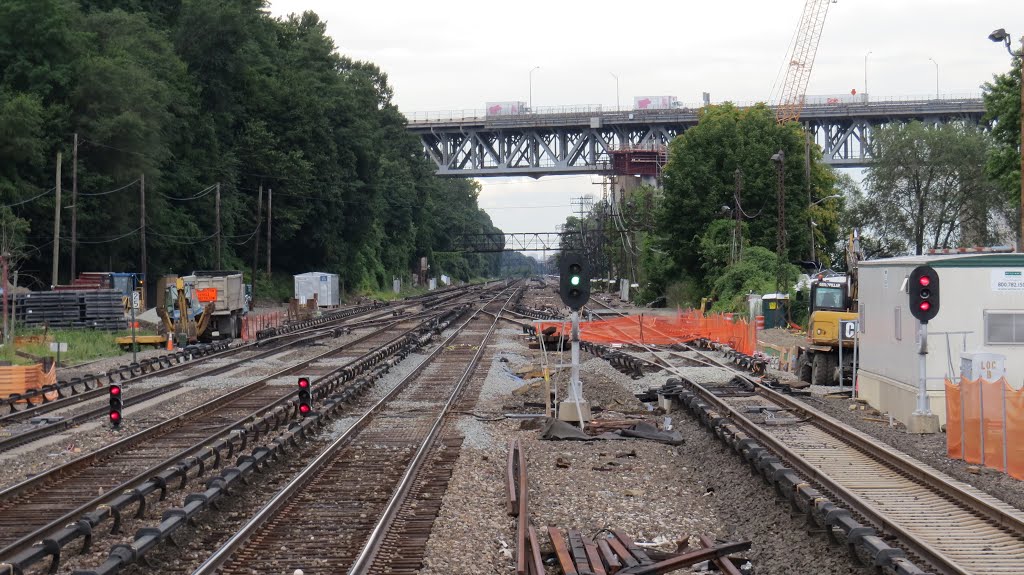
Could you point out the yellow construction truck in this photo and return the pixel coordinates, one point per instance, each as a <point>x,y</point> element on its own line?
<point>833,300</point>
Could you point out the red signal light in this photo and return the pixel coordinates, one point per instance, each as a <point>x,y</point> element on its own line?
<point>925,306</point>
<point>115,390</point>
<point>924,281</point>
<point>303,382</point>
<point>115,416</point>
<point>304,409</point>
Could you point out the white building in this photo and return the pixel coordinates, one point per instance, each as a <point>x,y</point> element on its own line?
<point>981,310</point>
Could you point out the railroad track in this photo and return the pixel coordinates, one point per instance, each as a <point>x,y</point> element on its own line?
<point>945,525</point>
<point>360,492</point>
<point>14,436</point>
<point>64,493</point>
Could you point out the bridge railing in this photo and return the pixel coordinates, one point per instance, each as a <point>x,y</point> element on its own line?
<point>558,114</point>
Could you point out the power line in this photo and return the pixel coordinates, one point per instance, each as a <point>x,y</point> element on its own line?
<point>30,199</point>
<point>129,184</point>
<point>203,192</point>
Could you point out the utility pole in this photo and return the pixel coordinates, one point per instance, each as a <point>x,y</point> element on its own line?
<point>1020,243</point>
<point>270,199</point>
<point>8,294</point>
<point>74,208</point>
<point>56,227</point>
<point>737,233</point>
<point>780,165</point>
<point>810,198</point>
<point>218,226</point>
<point>256,248</point>
<point>142,226</point>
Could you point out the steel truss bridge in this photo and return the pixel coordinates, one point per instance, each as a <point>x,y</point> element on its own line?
<point>519,242</point>
<point>581,140</point>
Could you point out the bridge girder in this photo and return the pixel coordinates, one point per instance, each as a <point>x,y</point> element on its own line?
<point>582,142</point>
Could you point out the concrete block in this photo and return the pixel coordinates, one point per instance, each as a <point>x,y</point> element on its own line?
<point>666,403</point>
<point>923,423</point>
<point>567,411</point>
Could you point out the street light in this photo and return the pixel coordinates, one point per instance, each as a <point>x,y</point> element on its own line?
<point>866,75</point>
<point>936,78</point>
<point>779,158</point>
<point>833,196</point>
<point>616,90</point>
<point>531,86</point>
<point>1001,35</point>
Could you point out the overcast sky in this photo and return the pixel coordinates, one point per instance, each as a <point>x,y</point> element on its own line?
<point>458,54</point>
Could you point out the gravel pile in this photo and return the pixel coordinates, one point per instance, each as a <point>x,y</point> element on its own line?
<point>653,491</point>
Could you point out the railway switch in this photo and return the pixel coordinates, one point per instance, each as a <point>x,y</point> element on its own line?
<point>305,397</point>
<point>924,293</point>
<point>116,405</point>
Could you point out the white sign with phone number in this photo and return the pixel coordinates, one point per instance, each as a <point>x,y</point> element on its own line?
<point>1008,280</point>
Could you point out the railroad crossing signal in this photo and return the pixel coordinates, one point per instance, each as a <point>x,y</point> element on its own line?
<point>305,397</point>
<point>574,280</point>
<point>924,293</point>
<point>116,405</point>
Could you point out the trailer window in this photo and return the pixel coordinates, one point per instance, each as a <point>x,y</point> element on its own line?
<point>1004,327</point>
<point>829,298</point>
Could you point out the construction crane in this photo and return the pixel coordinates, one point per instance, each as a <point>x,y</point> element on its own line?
<point>801,60</point>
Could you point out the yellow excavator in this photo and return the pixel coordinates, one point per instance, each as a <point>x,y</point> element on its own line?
<point>184,317</point>
<point>833,300</point>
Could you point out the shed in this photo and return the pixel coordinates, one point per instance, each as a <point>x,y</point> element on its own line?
<point>323,286</point>
<point>775,309</point>
<point>981,309</point>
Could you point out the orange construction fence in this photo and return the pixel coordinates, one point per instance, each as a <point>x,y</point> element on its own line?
<point>255,322</point>
<point>665,330</point>
<point>21,378</point>
<point>982,417</point>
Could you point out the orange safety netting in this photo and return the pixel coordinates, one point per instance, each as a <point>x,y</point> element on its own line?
<point>665,330</point>
<point>981,416</point>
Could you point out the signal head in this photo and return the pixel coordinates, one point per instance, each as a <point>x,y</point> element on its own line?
<point>924,281</point>
<point>303,382</point>
<point>115,390</point>
<point>304,408</point>
<point>115,416</point>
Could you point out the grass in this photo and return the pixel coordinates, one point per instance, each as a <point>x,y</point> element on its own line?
<point>83,345</point>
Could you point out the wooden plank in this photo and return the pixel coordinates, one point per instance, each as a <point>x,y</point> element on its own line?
<point>562,551</point>
<point>724,564</point>
<point>687,559</point>
<point>579,552</point>
<point>624,555</point>
<point>636,551</point>
<point>595,558</point>
<point>608,556</point>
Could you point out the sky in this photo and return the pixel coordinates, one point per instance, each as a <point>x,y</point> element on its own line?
<point>455,55</point>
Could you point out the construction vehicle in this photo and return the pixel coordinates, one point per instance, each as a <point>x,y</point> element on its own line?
<point>833,300</point>
<point>185,319</point>
<point>226,291</point>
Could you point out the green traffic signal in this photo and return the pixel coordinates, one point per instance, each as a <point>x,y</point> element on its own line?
<point>575,280</point>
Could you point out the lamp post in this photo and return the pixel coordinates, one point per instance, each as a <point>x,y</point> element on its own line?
<point>936,78</point>
<point>814,251</point>
<point>779,158</point>
<point>616,90</point>
<point>531,85</point>
<point>866,75</point>
<point>1001,35</point>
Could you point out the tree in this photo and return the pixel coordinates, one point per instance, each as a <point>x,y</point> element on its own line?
<point>927,187</point>
<point>700,181</point>
<point>1002,115</point>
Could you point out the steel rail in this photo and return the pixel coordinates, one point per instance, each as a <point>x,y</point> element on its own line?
<point>165,426</point>
<point>872,448</point>
<point>233,544</point>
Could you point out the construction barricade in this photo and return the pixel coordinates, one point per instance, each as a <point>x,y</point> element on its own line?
<point>17,379</point>
<point>981,418</point>
<point>253,323</point>
<point>665,330</point>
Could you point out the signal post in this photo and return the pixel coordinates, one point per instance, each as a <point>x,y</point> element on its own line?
<point>574,289</point>
<point>923,289</point>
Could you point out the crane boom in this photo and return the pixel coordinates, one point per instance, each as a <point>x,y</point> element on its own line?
<point>801,60</point>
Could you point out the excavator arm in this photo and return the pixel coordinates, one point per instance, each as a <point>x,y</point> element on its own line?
<point>204,319</point>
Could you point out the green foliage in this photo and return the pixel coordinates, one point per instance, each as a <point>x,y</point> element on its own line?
<point>1003,115</point>
<point>700,180</point>
<point>928,189</point>
<point>191,93</point>
<point>755,273</point>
